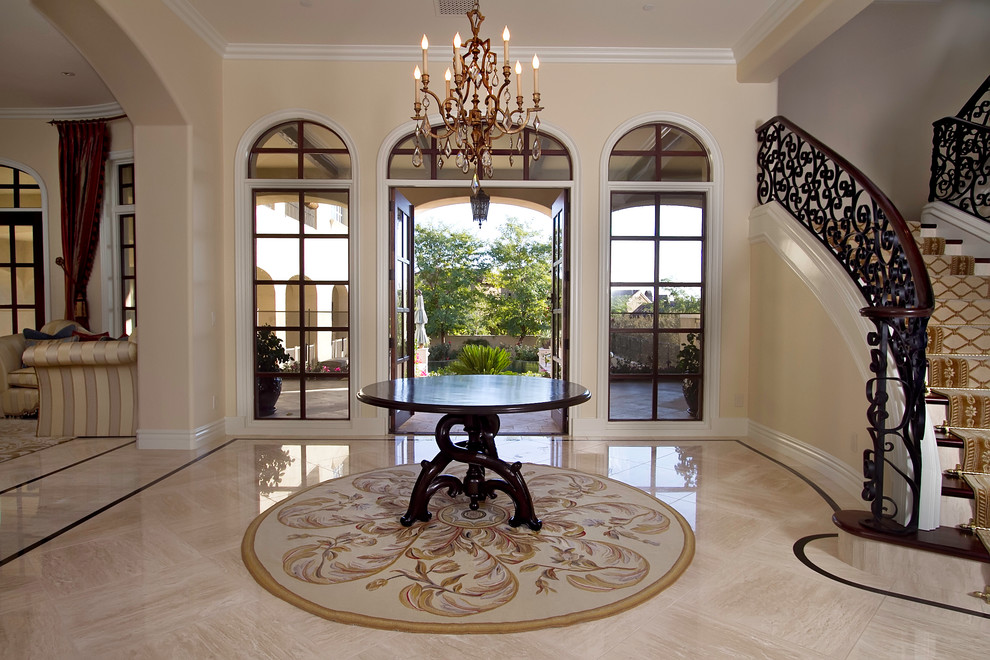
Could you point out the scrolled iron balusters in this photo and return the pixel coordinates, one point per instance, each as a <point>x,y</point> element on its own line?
<point>961,166</point>
<point>856,222</point>
<point>898,337</point>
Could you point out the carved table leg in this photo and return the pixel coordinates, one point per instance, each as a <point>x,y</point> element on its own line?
<point>479,453</point>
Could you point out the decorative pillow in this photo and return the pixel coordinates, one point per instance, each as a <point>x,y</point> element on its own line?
<point>85,336</point>
<point>38,334</point>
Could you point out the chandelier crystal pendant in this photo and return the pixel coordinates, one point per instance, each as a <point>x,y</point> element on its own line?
<point>477,104</point>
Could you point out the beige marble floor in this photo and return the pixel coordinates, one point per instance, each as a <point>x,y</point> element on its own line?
<point>136,553</point>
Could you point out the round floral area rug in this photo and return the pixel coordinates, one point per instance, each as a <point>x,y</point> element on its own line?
<point>338,550</point>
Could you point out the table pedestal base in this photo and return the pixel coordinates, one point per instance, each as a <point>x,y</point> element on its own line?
<point>479,453</point>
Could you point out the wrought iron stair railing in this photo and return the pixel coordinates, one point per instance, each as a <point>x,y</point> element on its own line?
<point>961,157</point>
<point>863,230</point>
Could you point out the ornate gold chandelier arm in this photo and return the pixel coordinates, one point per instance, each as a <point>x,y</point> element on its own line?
<point>477,107</point>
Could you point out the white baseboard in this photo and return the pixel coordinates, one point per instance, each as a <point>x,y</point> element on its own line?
<point>362,427</point>
<point>722,427</point>
<point>180,439</point>
<point>783,446</point>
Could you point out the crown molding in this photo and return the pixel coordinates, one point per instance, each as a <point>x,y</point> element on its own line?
<point>76,112</point>
<point>412,53</point>
<point>367,53</point>
<point>188,14</point>
<point>759,31</point>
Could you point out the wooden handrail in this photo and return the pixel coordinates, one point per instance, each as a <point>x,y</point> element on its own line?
<point>925,303</point>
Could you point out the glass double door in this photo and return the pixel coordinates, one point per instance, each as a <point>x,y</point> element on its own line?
<point>402,327</point>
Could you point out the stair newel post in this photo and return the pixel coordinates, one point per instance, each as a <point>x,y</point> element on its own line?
<point>904,338</point>
<point>876,396</point>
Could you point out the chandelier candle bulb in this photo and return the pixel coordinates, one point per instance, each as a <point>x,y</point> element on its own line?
<point>416,77</point>
<point>536,75</point>
<point>505,45</point>
<point>426,48</point>
<point>457,53</point>
<point>446,77</point>
<point>519,81</point>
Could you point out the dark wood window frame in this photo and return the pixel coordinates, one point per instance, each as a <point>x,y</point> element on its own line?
<point>301,187</point>
<point>654,372</point>
<point>127,247</point>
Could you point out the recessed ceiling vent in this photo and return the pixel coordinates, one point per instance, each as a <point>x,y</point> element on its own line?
<point>453,7</point>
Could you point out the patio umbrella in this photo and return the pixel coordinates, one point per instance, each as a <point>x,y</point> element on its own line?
<point>420,320</point>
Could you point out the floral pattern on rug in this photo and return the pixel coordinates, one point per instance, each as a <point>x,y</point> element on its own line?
<point>594,546</point>
<point>17,438</point>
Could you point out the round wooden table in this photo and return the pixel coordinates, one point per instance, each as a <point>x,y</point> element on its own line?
<point>474,402</point>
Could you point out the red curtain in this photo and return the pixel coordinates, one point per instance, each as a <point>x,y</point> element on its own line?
<point>82,155</point>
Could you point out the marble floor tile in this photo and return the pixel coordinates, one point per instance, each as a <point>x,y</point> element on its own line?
<point>137,554</point>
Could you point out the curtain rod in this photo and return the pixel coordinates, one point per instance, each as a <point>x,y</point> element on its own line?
<point>69,121</point>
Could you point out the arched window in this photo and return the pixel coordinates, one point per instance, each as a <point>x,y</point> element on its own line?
<point>512,159</point>
<point>657,242</point>
<point>22,288</point>
<point>299,172</point>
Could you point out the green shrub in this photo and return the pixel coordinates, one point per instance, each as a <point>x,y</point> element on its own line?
<point>440,352</point>
<point>527,353</point>
<point>476,359</point>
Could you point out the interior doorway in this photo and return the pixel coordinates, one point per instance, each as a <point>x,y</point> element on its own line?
<point>544,214</point>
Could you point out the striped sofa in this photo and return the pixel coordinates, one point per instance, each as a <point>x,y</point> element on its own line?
<point>87,388</point>
<point>19,384</point>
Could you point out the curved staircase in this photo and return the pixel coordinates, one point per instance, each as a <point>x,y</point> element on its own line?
<point>959,375</point>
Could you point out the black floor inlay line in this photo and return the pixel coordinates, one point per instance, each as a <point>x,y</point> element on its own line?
<point>799,552</point>
<point>117,501</point>
<point>818,489</point>
<point>800,545</point>
<point>61,469</point>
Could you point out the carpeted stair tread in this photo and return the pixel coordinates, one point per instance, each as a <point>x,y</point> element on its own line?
<point>968,408</point>
<point>975,434</point>
<point>931,245</point>
<point>966,287</point>
<point>958,339</point>
<point>959,371</point>
<point>957,311</point>
<point>949,264</point>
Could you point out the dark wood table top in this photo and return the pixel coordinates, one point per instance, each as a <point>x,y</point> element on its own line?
<point>474,395</point>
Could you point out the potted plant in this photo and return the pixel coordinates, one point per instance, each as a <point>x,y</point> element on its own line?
<point>269,356</point>
<point>689,362</point>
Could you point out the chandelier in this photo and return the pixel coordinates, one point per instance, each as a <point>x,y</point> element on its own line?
<point>477,105</point>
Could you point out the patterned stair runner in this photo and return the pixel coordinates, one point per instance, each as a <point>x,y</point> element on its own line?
<point>959,364</point>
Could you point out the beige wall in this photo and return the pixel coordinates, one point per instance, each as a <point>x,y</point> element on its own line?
<point>190,109</point>
<point>369,100</point>
<point>169,84</point>
<point>804,382</point>
<point>872,90</point>
<point>33,144</point>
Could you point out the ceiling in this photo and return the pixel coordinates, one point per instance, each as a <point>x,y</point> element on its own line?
<point>36,61</point>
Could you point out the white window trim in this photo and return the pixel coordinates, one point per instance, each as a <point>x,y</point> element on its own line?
<point>711,422</point>
<point>243,421</point>
<point>111,279</point>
